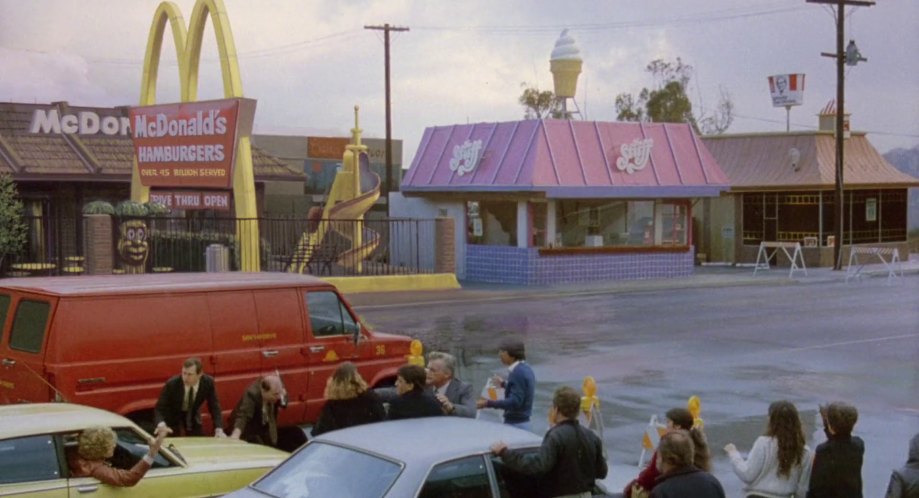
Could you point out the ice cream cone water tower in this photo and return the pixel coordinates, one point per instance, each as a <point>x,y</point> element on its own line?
<point>565,64</point>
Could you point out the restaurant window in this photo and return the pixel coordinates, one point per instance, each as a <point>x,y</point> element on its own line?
<point>621,223</point>
<point>491,223</point>
<point>798,216</point>
<point>753,208</point>
<point>892,214</point>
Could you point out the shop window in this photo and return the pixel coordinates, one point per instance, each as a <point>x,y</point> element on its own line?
<point>892,209</point>
<point>492,223</point>
<point>673,224</point>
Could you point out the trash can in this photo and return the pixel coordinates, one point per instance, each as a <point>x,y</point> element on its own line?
<point>217,258</point>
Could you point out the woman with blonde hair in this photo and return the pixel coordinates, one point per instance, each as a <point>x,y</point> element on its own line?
<point>349,402</point>
<point>97,445</point>
<point>779,464</point>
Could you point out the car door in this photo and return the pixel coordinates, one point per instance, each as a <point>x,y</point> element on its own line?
<point>167,477</point>
<point>237,350</point>
<point>23,350</point>
<point>329,341</point>
<point>31,466</point>
<point>466,477</point>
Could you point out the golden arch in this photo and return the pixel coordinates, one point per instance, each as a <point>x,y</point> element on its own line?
<point>188,53</point>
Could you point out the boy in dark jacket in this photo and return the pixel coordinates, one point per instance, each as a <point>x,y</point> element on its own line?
<point>837,469</point>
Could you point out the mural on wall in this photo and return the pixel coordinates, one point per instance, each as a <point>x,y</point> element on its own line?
<point>133,247</point>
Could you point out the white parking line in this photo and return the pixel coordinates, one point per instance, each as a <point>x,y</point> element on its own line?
<point>860,341</point>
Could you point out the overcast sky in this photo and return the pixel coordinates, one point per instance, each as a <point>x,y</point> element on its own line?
<point>309,62</point>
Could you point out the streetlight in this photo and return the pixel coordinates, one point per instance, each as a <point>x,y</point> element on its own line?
<point>850,56</point>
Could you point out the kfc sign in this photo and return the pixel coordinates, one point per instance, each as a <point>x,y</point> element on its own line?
<point>192,144</point>
<point>786,89</point>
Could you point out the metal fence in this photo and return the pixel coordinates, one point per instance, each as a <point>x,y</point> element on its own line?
<point>166,244</point>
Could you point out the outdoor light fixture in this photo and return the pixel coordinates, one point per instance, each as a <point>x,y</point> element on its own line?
<point>853,56</point>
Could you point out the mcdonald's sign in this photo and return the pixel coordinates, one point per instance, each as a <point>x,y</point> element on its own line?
<point>191,144</point>
<point>187,41</point>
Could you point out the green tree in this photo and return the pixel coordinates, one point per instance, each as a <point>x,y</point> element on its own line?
<point>667,101</point>
<point>13,230</point>
<point>539,104</point>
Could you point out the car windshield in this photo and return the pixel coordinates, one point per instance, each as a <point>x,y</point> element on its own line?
<point>324,470</point>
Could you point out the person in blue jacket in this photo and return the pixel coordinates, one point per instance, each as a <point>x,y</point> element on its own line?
<point>519,387</point>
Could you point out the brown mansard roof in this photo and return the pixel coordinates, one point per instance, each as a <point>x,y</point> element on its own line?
<point>29,156</point>
<point>762,161</point>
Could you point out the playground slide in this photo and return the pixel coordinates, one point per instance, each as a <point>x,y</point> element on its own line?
<point>338,208</point>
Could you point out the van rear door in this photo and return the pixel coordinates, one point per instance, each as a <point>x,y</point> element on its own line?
<point>22,373</point>
<point>330,340</point>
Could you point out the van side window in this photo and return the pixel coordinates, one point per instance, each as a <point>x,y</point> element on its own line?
<point>4,309</point>
<point>30,458</point>
<point>328,315</point>
<point>29,326</point>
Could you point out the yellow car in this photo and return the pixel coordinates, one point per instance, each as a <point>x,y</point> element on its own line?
<point>34,439</point>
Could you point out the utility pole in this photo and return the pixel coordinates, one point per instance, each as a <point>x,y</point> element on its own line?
<point>841,61</point>
<point>386,28</point>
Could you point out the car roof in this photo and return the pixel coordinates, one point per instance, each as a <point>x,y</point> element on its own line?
<point>158,282</point>
<point>430,439</point>
<point>47,418</point>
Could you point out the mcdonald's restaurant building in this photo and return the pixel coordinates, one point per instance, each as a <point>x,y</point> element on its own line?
<point>62,156</point>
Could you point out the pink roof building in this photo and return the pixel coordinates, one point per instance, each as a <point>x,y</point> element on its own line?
<point>565,159</point>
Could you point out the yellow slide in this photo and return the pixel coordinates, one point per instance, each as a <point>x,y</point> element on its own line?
<point>354,191</point>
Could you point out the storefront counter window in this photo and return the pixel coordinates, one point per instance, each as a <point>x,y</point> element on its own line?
<point>621,223</point>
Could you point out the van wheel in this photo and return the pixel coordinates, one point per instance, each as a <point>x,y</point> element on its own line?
<point>144,419</point>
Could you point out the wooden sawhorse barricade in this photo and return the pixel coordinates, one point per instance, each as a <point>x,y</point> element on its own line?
<point>768,249</point>
<point>889,257</point>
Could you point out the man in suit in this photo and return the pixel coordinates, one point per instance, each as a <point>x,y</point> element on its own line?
<point>454,395</point>
<point>179,404</point>
<point>255,418</point>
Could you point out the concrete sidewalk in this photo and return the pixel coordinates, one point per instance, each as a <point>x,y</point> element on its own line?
<point>703,277</point>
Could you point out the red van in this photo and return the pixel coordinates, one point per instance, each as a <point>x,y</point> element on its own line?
<point>112,341</point>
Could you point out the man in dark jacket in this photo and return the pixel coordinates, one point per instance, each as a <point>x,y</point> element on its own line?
<point>179,404</point>
<point>570,458</point>
<point>837,469</point>
<point>519,388</point>
<point>255,418</point>
<point>679,477</point>
<point>904,482</point>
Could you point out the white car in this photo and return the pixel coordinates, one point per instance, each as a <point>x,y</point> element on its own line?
<point>431,457</point>
<point>35,437</point>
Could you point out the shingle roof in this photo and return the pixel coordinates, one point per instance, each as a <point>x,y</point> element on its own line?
<point>87,157</point>
<point>764,161</point>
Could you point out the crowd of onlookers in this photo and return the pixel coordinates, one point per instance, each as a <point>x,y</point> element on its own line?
<point>779,464</point>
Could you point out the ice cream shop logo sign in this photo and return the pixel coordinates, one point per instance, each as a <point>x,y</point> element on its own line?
<point>634,156</point>
<point>465,157</point>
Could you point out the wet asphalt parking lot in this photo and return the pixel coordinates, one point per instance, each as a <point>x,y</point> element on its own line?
<point>738,348</point>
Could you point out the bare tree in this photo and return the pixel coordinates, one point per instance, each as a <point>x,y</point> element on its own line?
<point>539,104</point>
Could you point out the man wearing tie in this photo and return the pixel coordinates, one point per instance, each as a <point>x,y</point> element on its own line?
<point>179,404</point>
<point>454,395</point>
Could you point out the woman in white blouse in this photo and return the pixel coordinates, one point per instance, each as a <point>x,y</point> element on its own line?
<point>779,464</point>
